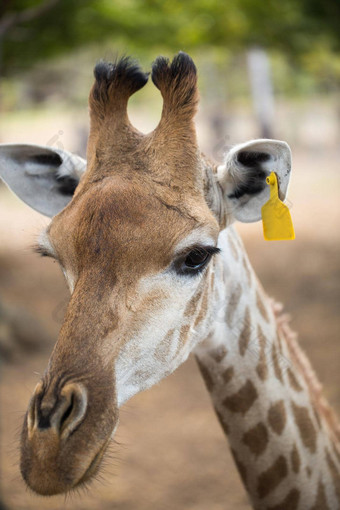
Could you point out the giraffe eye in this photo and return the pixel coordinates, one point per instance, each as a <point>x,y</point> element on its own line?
<point>195,261</point>
<point>197,258</point>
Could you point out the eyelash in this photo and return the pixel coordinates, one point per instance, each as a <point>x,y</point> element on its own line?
<point>41,251</point>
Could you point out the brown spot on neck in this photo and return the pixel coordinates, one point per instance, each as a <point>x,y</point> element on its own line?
<point>256,439</point>
<point>242,400</point>
<point>262,368</point>
<point>245,333</point>
<point>290,502</point>
<point>305,425</point>
<point>277,417</point>
<point>219,353</point>
<point>272,477</point>
<point>295,459</point>
<point>233,304</point>
<point>321,500</point>
<point>228,375</point>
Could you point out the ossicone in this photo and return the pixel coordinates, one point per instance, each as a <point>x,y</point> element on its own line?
<point>177,82</point>
<point>114,83</point>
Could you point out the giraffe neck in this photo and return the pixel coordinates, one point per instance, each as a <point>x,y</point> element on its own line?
<point>281,431</point>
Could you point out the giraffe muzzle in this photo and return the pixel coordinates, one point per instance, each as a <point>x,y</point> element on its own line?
<point>65,435</point>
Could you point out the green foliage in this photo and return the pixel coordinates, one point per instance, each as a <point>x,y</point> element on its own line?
<point>294,27</point>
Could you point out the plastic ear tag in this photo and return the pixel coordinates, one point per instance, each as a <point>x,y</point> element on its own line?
<point>276,219</point>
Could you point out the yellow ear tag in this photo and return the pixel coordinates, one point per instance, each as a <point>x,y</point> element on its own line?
<point>276,219</point>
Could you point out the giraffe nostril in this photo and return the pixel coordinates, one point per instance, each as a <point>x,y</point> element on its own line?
<point>62,414</point>
<point>44,422</point>
<point>67,412</point>
<point>74,409</point>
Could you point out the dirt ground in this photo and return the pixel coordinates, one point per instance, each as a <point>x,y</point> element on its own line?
<point>170,452</point>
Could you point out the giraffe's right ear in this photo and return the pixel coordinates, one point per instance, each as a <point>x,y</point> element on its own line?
<point>43,177</point>
<point>242,177</point>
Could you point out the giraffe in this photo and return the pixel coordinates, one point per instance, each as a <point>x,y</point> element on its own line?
<point>143,232</point>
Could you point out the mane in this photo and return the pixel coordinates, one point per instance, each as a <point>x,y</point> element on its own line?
<point>300,359</point>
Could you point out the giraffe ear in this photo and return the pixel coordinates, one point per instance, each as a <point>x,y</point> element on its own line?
<point>44,178</point>
<point>243,176</point>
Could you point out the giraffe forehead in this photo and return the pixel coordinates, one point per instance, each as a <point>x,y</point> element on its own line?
<point>128,222</point>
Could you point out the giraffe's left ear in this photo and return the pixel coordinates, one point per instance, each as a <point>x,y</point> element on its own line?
<point>243,176</point>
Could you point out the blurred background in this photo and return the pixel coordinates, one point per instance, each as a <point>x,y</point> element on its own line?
<point>266,69</point>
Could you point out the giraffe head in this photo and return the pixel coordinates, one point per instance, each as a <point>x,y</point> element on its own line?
<point>134,234</point>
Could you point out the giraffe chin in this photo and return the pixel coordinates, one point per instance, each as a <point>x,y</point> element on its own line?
<point>93,468</point>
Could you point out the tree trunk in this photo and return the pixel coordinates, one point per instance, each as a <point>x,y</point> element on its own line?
<point>261,90</point>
